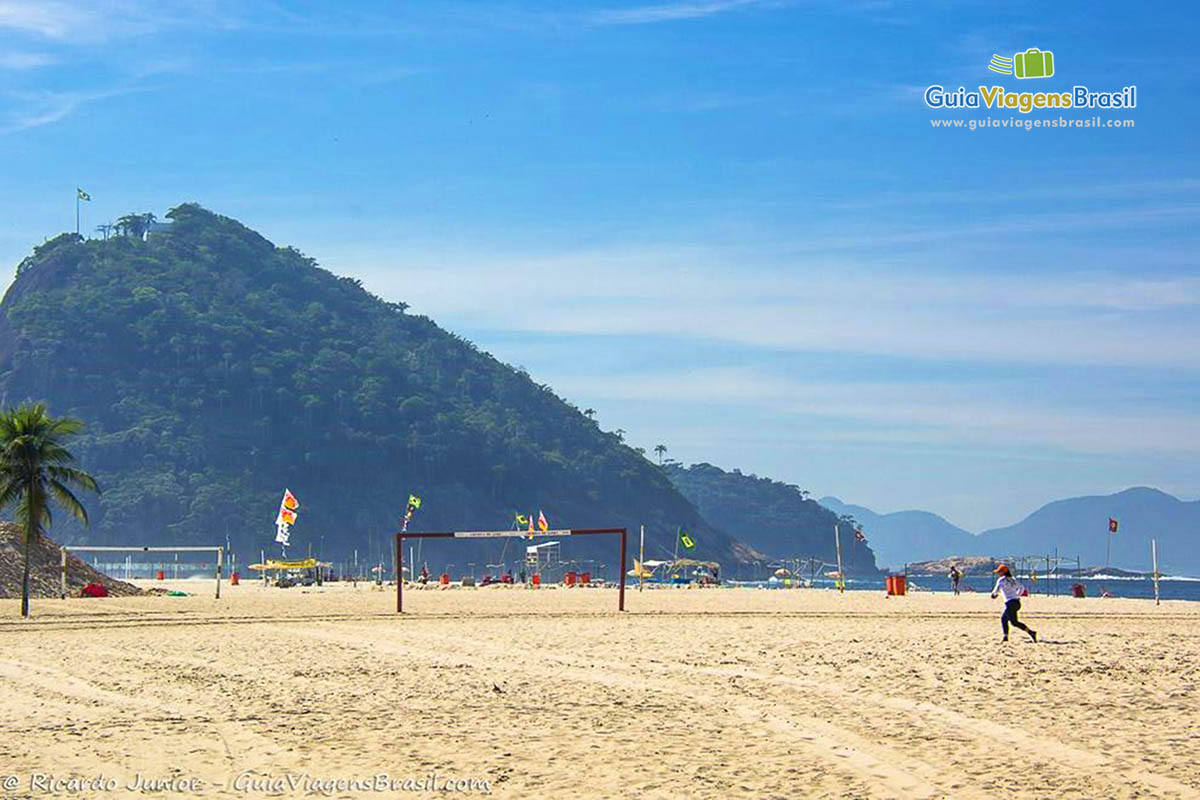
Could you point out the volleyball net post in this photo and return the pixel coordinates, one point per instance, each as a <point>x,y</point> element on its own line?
<point>220,551</point>
<point>398,553</point>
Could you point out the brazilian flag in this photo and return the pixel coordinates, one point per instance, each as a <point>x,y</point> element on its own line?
<point>686,541</point>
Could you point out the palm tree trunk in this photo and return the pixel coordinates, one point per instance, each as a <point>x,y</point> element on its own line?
<point>29,533</point>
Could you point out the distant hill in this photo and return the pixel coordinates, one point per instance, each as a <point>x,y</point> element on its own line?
<point>1076,527</point>
<point>772,517</point>
<point>214,368</point>
<point>904,536</point>
<point>1080,526</point>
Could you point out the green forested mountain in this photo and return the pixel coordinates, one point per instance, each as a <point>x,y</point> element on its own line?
<point>214,368</point>
<point>772,517</point>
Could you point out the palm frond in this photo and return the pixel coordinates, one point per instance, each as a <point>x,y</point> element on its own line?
<point>73,477</point>
<point>68,501</point>
<point>10,492</point>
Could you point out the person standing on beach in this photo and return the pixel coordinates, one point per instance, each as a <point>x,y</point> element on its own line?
<point>955,577</point>
<point>1008,586</point>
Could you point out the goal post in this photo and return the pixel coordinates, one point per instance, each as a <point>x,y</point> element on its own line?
<point>561,532</point>
<point>64,549</point>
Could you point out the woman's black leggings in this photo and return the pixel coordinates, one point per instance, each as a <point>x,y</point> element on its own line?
<point>1011,608</point>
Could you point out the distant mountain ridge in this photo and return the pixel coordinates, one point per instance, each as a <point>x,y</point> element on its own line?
<point>1076,526</point>
<point>1079,526</point>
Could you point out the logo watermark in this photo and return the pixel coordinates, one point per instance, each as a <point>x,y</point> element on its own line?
<point>248,784</point>
<point>1033,63</point>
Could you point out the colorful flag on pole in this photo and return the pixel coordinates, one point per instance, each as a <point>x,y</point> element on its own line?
<point>414,503</point>
<point>286,517</point>
<point>1112,525</point>
<point>687,541</point>
<point>859,536</point>
<point>521,520</point>
<point>543,525</point>
<point>81,194</point>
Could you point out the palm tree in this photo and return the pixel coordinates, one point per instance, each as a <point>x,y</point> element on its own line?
<point>135,225</point>
<point>620,434</point>
<point>36,467</point>
<point>590,413</point>
<point>660,449</point>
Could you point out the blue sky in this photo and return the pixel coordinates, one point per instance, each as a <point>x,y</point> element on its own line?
<point>729,227</point>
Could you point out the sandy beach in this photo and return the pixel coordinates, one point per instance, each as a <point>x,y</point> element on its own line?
<point>701,693</point>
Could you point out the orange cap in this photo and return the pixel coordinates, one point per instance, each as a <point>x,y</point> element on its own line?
<point>1001,570</point>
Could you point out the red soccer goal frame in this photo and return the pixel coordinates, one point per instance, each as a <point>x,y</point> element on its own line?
<point>401,536</point>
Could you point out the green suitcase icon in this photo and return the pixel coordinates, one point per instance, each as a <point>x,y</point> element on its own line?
<point>1034,63</point>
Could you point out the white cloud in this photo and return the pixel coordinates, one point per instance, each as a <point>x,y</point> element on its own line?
<point>666,12</point>
<point>817,305</point>
<point>975,413</point>
<point>45,108</point>
<point>82,22</point>
<point>85,22</point>
<point>23,61</point>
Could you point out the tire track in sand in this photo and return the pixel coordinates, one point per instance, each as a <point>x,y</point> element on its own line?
<point>887,771</point>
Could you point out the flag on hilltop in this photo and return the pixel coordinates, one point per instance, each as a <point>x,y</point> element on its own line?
<point>1112,525</point>
<point>687,541</point>
<point>859,536</point>
<point>543,525</point>
<point>81,194</point>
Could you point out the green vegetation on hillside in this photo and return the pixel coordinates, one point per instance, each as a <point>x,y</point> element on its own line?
<point>772,517</point>
<point>213,369</point>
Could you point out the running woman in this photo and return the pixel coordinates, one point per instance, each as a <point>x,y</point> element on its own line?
<point>1007,585</point>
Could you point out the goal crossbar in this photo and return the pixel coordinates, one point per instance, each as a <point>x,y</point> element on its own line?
<point>64,549</point>
<point>558,533</point>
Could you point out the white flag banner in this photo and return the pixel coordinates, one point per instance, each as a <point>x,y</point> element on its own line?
<point>282,534</point>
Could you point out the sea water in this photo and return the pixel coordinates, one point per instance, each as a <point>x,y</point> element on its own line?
<point>1169,587</point>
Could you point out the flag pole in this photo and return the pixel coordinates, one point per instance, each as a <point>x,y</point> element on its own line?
<point>1108,548</point>
<point>642,558</point>
<point>1154,558</point>
<point>76,212</point>
<point>837,541</point>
